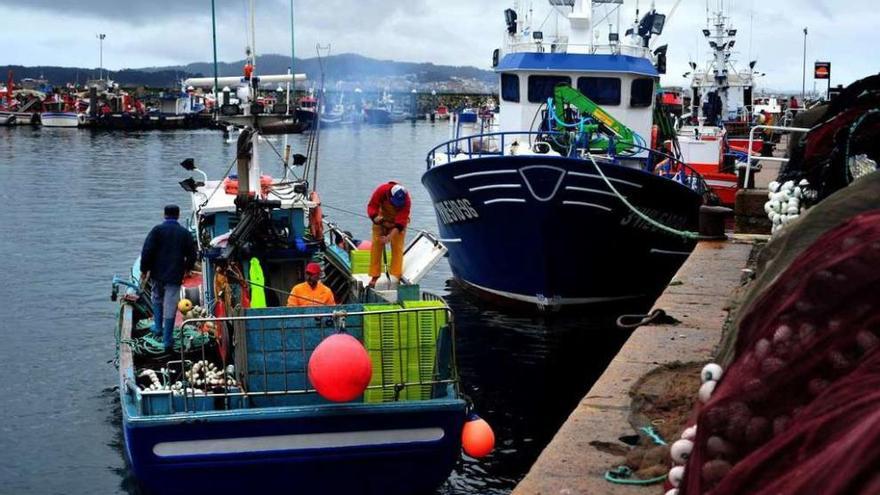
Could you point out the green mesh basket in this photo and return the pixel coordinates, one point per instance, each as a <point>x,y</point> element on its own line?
<point>385,339</point>
<point>423,329</point>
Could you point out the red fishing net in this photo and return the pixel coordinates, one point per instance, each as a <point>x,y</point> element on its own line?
<point>798,410</point>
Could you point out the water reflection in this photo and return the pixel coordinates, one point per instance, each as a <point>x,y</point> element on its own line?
<point>525,374</point>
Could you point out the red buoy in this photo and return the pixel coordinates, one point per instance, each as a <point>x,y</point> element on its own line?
<point>477,437</point>
<point>340,368</point>
<point>365,245</point>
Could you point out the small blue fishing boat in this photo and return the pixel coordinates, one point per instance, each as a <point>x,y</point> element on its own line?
<point>568,204</point>
<point>233,409</point>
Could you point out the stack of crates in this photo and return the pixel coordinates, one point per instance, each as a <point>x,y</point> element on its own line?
<point>385,337</point>
<point>403,349</point>
<point>424,328</point>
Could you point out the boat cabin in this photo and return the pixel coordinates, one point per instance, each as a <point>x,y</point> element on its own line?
<point>622,85</point>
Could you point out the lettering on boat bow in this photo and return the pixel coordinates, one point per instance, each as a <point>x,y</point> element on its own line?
<point>455,211</point>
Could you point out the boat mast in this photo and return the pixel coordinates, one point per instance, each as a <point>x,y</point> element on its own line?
<point>580,36</point>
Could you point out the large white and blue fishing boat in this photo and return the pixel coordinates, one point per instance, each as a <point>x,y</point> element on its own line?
<point>568,204</point>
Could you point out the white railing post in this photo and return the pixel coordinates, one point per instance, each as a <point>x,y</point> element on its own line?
<point>753,157</point>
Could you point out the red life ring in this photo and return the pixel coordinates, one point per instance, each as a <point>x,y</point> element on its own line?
<point>316,217</point>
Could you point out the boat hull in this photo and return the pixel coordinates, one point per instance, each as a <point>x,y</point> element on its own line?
<point>59,119</point>
<point>346,450</point>
<point>547,232</point>
<point>377,116</point>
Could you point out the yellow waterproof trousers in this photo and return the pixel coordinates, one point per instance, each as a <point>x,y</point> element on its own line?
<point>396,267</point>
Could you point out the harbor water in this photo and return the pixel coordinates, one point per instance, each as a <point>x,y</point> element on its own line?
<point>76,206</point>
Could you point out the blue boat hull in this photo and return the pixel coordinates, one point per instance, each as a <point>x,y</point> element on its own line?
<point>547,231</point>
<point>357,449</point>
<point>377,116</point>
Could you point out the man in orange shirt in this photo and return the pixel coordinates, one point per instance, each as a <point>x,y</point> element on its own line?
<point>311,292</point>
<point>389,209</point>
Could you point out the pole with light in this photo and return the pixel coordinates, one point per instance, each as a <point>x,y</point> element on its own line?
<point>101,37</point>
<point>804,83</point>
<point>214,35</point>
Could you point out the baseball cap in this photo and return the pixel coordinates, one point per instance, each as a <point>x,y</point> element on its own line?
<point>398,195</point>
<point>313,269</point>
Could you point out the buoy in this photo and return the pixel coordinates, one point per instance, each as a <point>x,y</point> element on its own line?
<point>365,245</point>
<point>711,372</point>
<point>676,475</point>
<point>681,451</point>
<point>477,437</point>
<point>184,305</point>
<point>706,390</point>
<point>340,368</point>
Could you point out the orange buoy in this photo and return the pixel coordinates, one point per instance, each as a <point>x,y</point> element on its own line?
<point>477,437</point>
<point>316,217</point>
<point>340,368</point>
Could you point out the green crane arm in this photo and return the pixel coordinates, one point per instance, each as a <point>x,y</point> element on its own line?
<point>567,95</point>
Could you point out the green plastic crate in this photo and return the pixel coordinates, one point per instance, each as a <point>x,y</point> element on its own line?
<point>360,260</point>
<point>385,337</point>
<point>423,329</point>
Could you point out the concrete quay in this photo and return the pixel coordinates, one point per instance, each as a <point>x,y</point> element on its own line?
<point>577,458</point>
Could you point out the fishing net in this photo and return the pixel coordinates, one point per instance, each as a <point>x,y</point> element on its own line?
<point>843,143</point>
<point>798,410</point>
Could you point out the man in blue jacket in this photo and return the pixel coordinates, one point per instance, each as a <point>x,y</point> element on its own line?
<point>169,252</point>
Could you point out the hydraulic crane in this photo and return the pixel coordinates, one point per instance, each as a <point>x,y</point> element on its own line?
<point>622,136</point>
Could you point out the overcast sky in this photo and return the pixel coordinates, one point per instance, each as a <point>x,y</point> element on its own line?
<point>455,32</point>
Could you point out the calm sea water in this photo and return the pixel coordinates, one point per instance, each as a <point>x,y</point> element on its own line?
<point>75,207</point>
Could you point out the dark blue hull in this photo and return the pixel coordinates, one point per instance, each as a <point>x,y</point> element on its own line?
<point>377,116</point>
<point>359,449</point>
<point>547,231</point>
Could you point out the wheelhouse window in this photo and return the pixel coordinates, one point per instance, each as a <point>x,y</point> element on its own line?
<point>642,94</point>
<point>602,90</point>
<point>510,87</point>
<point>541,87</point>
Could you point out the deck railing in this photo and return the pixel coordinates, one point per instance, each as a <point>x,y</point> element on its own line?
<point>411,351</point>
<point>473,146</point>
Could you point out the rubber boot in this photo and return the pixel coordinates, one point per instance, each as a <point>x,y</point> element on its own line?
<point>157,320</point>
<point>168,337</point>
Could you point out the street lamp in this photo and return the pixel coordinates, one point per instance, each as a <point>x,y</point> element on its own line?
<point>101,37</point>
<point>804,82</point>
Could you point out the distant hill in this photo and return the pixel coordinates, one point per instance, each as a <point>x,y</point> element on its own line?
<point>344,67</point>
<point>59,76</point>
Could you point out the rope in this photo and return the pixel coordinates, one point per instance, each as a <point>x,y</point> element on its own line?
<point>623,475</point>
<point>150,344</point>
<point>285,165</point>
<point>653,435</point>
<point>658,315</point>
<point>219,185</point>
<point>692,236</point>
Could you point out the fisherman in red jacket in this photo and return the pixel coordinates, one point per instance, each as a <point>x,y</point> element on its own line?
<point>389,210</point>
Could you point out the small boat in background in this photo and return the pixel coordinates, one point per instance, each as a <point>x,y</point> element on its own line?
<point>384,111</point>
<point>307,110</point>
<point>60,113</point>
<point>722,110</point>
